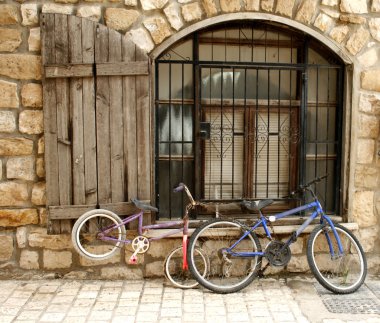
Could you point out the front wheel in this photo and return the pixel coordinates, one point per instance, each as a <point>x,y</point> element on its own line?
<point>176,274</point>
<point>229,271</point>
<point>340,273</point>
<point>98,234</point>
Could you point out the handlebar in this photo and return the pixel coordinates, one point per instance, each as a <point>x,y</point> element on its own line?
<point>182,187</point>
<point>179,188</point>
<point>303,188</point>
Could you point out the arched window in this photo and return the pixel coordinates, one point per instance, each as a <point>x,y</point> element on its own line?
<point>247,110</point>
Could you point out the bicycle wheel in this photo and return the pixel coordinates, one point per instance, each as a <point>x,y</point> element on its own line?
<point>87,230</point>
<point>226,273</point>
<point>340,274</point>
<point>174,271</point>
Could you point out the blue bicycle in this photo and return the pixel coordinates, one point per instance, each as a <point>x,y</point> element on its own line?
<point>235,253</point>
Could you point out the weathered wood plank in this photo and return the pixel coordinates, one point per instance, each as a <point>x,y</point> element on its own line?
<point>116,122</point>
<point>75,211</point>
<point>69,70</point>
<point>50,120</point>
<point>88,52</point>
<point>122,68</point>
<point>75,51</point>
<point>143,134</point>
<point>103,119</point>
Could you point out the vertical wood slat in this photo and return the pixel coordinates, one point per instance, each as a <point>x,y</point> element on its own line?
<point>63,118</point>
<point>76,103</point>
<point>143,134</point>
<point>116,122</point>
<point>89,124</point>
<point>50,120</point>
<point>103,119</point>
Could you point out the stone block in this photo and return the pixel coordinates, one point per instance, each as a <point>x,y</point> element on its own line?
<point>13,194</point>
<point>31,95</point>
<point>39,238</point>
<point>21,237</point>
<point>154,269</point>
<point>373,262</point>
<point>7,121</point>
<point>323,22</point>
<point>209,7</point>
<point>331,3</point>
<point>40,167</point>
<point>41,145</point>
<point>42,213</point>
<point>15,146</point>
<point>306,11</point>
<point>29,260</point>
<point>267,5</point>
<point>374,27</point>
<point>19,217</point>
<point>192,12</point>
<point>115,259</point>
<point>29,13</point>
<point>363,209</point>
<point>131,3</point>
<point>1,169</point>
<point>8,14</point>
<point>76,275</point>
<point>366,176</point>
<point>159,28</point>
<point>352,19</point>
<point>21,168</point>
<point>141,38</point>
<point>368,238</point>
<point>252,5</point>
<point>10,39</point>
<point>153,4</point>
<point>34,40</point>
<point>173,15</point>
<point>66,1</point>
<point>369,58</point>
<point>57,8</point>
<point>39,193</point>
<point>230,5</point>
<point>120,19</point>
<point>331,12</point>
<point>339,33</point>
<point>21,67</point>
<point>6,247</point>
<point>285,7</point>
<point>57,259</point>
<point>297,247</point>
<point>357,40</point>
<point>354,6</point>
<point>375,6</point>
<point>368,126</point>
<point>8,94</point>
<point>121,272</point>
<point>298,264</point>
<point>365,151</point>
<point>161,248</point>
<point>370,80</point>
<point>90,12</point>
<point>31,122</point>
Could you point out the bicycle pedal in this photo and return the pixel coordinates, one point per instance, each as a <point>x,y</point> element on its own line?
<point>132,260</point>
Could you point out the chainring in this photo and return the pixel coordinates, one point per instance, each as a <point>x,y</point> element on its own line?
<point>277,254</point>
<point>140,244</point>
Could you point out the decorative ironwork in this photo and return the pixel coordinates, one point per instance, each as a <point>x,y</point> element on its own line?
<point>168,56</point>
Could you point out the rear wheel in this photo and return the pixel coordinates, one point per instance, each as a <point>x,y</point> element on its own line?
<point>227,272</point>
<point>339,273</point>
<point>97,235</point>
<point>175,272</point>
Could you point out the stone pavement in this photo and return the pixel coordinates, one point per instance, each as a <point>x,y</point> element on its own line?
<point>297,299</point>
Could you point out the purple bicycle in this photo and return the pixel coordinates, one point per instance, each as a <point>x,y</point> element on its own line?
<point>99,234</point>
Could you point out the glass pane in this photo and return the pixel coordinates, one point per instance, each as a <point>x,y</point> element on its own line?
<point>181,51</point>
<point>321,123</point>
<point>175,81</point>
<point>322,85</point>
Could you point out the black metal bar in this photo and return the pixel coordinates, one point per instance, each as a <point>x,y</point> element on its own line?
<point>170,138</point>
<point>316,124</point>
<point>327,134</point>
<point>221,133</point>
<point>233,128</point>
<point>182,126</point>
<point>268,126</point>
<point>157,144</point>
<point>256,128</point>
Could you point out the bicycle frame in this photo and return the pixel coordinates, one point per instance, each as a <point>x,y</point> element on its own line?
<point>316,206</point>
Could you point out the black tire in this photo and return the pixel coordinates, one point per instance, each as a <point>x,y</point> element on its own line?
<point>340,274</point>
<point>85,234</point>
<point>174,272</point>
<point>226,274</point>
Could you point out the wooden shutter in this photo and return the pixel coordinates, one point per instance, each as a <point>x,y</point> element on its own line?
<point>97,119</point>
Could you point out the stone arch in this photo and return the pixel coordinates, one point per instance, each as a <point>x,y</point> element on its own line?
<point>332,45</point>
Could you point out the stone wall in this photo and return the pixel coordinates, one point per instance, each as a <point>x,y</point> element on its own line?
<point>352,25</point>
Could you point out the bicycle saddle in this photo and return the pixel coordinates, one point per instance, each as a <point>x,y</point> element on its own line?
<point>257,205</point>
<point>140,205</point>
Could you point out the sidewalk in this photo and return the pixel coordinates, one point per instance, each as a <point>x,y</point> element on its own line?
<point>267,300</point>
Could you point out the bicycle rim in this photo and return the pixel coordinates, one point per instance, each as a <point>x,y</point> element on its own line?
<point>227,273</point>
<point>87,236</point>
<point>341,273</point>
<point>175,273</point>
